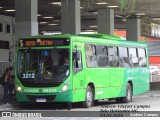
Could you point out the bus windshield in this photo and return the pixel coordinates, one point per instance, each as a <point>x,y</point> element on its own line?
<point>43,66</point>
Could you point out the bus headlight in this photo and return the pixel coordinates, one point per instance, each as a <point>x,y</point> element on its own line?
<point>19,89</point>
<point>65,87</point>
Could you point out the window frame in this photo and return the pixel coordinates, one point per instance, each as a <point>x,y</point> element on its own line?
<point>132,64</point>
<point>142,57</point>
<point>115,56</point>
<point>124,56</point>
<point>106,47</point>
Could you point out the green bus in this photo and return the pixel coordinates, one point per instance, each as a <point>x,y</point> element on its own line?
<point>80,68</point>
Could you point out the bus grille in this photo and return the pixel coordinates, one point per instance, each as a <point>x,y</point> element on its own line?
<point>48,98</point>
<point>32,84</point>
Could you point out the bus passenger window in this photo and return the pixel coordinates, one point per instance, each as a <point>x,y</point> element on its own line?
<point>93,61</point>
<point>123,57</point>
<point>102,57</point>
<point>133,57</point>
<point>113,56</point>
<point>91,58</point>
<point>142,57</point>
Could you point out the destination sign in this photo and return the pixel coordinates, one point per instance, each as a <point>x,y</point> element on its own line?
<point>43,42</point>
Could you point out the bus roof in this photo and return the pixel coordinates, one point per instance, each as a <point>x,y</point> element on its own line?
<point>104,36</point>
<point>89,36</point>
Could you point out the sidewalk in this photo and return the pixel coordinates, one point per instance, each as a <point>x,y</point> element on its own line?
<point>2,108</point>
<point>12,107</point>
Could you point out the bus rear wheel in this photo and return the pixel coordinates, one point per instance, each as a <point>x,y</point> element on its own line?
<point>128,97</point>
<point>89,98</point>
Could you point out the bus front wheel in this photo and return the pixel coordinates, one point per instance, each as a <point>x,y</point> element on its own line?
<point>89,98</point>
<point>128,97</point>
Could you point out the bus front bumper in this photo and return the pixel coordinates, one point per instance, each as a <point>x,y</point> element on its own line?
<point>50,97</point>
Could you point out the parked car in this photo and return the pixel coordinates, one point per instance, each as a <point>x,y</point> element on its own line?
<point>154,70</point>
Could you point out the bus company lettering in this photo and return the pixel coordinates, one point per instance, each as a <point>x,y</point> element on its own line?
<point>99,92</point>
<point>31,90</point>
<point>39,90</point>
<point>45,42</point>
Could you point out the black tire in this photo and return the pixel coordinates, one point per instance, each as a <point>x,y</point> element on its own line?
<point>128,97</point>
<point>89,98</point>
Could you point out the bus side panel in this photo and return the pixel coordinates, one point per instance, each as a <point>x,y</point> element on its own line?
<point>135,80</point>
<point>79,80</point>
<point>130,75</point>
<point>144,79</point>
<point>140,84</point>
<point>100,78</point>
<point>123,81</point>
<point>126,75</point>
<point>79,87</point>
<point>120,90</point>
<point>79,95</point>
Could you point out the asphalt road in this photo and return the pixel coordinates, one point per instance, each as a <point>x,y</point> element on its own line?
<point>144,102</point>
<point>150,104</point>
<point>147,102</point>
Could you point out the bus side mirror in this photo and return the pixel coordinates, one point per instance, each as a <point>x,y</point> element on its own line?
<point>76,60</point>
<point>76,56</point>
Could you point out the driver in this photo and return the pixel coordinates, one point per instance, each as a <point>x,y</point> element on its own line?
<point>66,61</point>
<point>63,68</point>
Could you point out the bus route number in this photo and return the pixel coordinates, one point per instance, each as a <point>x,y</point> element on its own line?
<point>28,75</point>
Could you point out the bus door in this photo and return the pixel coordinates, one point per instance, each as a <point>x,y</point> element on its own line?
<point>78,72</point>
<point>114,71</point>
